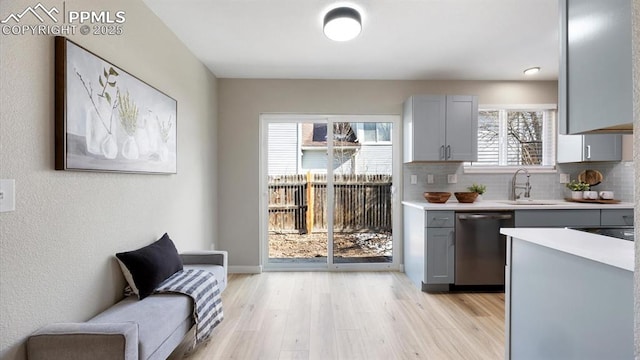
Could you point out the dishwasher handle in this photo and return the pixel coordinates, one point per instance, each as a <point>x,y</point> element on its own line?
<point>485,216</point>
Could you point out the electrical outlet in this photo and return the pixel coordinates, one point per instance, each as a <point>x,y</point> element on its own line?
<point>564,178</point>
<point>430,179</point>
<point>452,178</point>
<point>414,179</point>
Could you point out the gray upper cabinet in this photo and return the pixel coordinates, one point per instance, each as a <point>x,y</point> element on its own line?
<point>441,128</point>
<point>584,148</point>
<point>595,88</point>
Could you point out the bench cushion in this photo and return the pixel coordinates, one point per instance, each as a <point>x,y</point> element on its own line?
<point>157,316</point>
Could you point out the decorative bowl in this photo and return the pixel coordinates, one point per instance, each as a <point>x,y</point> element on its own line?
<point>437,197</point>
<point>466,196</point>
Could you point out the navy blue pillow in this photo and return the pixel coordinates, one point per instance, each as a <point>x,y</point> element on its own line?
<point>147,267</point>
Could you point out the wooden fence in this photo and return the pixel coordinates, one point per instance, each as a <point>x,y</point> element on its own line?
<point>298,203</point>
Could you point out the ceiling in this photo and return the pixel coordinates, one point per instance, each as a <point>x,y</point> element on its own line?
<point>400,40</point>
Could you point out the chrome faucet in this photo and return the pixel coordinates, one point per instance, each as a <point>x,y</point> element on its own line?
<point>515,185</point>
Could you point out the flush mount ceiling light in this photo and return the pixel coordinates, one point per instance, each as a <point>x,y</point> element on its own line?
<point>342,24</point>
<point>531,71</point>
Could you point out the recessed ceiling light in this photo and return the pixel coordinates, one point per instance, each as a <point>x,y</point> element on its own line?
<point>531,71</point>
<point>342,24</point>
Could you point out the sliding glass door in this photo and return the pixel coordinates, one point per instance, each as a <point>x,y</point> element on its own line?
<point>328,191</point>
<point>362,192</point>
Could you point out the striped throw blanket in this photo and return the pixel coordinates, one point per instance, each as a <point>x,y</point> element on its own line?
<point>202,287</point>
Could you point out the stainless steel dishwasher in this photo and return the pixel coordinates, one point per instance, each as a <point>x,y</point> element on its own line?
<point>480,248</point>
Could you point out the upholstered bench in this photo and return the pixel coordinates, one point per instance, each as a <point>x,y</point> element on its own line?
<point>150,328</point>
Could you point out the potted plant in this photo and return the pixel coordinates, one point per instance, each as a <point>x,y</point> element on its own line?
<point>478,188</point>
<point>577,188</point>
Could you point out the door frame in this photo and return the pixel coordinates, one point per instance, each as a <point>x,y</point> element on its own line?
<point>396,191</point>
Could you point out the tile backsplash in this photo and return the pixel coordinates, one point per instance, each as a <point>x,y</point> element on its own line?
<point>617,177</point>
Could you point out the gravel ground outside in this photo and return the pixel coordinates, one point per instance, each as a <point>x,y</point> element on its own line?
<point>346,245</point>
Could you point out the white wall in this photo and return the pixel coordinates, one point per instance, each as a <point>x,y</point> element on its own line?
<point>242,100</point>
<point>56,249</point>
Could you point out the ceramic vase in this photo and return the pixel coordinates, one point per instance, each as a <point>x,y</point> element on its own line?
<point>109,147</point>
<point>98,139</point>
<point>130,148</point>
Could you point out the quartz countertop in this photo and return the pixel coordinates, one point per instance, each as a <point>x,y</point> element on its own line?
<point>510,205</point>
<point>603,249</point>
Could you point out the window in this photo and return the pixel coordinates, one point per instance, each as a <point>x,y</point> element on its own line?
<point>373,132</point>
<point>515,137</point>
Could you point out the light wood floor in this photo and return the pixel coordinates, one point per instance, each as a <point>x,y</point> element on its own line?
<point>352,315</point>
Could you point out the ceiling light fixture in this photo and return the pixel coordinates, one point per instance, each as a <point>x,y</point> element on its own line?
<point>342,24</point>
<point>531,71</point>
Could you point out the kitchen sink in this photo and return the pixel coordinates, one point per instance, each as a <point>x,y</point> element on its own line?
<point>531,202</point>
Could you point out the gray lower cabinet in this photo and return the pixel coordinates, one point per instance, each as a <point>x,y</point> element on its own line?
<point>616,217</point>
<point>557,218</point>
<point>440,255</point>
<point>429,248</point>
<point>562,306</point>
<point>429,237</point>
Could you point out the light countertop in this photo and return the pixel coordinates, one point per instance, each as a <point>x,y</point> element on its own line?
<point>603,249</point>
<point>507,205</point>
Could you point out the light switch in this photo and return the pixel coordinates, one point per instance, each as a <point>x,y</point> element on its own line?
<point>564,178</point>
<point>452,178</point>
<point>414,179</point>
<point>7,195</point>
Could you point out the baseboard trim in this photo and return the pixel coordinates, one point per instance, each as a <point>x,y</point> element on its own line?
<point>245,269</point>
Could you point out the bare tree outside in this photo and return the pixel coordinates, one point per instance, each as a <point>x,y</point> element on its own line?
<point>523,136</point>
<point>524,130</point>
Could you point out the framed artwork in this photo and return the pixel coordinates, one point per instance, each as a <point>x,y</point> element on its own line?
<point>107,119</point>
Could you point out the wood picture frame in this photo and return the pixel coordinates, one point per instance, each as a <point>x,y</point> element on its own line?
<point>109,120</point>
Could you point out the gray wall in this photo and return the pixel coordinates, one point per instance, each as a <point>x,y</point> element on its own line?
<point>56,249</point>
<point>636,136</point>
<point>242,100</point>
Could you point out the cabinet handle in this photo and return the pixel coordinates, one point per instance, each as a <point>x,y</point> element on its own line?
<point>588,151</point>
<point>448,151</point>
<point>442,219</point>
<point>442,152</point>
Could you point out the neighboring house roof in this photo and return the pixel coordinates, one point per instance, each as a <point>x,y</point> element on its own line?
<point>315,135</point>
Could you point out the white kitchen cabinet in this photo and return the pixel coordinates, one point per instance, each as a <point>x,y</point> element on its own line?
<point>595,87</point>
<point>440,128</point>
<point>584,148</point>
